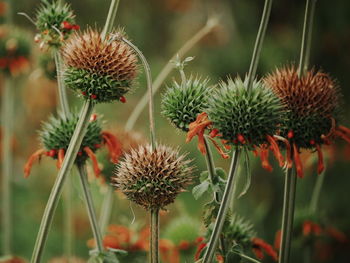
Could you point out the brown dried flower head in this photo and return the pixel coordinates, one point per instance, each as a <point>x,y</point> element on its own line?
<point>153,179</point>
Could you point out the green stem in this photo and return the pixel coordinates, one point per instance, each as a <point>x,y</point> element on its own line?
<point>62,92</point>
<point>154,241</point>
<point>307,37</point>
<point>166,71</point>
<point>56,191</point>
<point>288,215</point>
<point>110,18</point>
<point>316,192</point>
<point>7,166</point>
<point>68,219</point>
<point>9,16</point>
<point>106,209</point>
<point>248,258</point>
<point>225,203</point>
<point>258,43</point>
<point>90,207</point>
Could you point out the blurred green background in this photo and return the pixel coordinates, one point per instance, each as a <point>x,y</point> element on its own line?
<point>159,28</point>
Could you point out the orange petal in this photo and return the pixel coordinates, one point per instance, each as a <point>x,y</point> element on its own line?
<point>344,129</point>
<point>307,227</point>
<point>35,156</point>
<point>288,150</point>
<point>221,152</point>
<point>298,164</point>
<point>278,237</point>
<point>201,144</point>
<point>92,156</point>
<point>267,248</point>
<point>264,155</point>
<point>200,247</point>
<point>258,252</point>
<point>276,150</point>
<point>337,234</point>
<point>60,158</point>
<point>113,145</point>
<point>320,164</point>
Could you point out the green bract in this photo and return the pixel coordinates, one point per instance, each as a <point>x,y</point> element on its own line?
<point>182,103</point>
<point>245,117</point>
<point>57,132</point>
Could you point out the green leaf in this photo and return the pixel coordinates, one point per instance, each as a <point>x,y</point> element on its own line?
<point>248,173</point>
<point>200,189</point>
<point>203,176</point>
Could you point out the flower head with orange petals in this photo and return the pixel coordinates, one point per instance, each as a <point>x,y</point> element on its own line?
<point>312,107</point>
<point>55,137</point>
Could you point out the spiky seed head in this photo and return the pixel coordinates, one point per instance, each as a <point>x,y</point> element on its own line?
<point>311,102</point>
<point>99,68</point>
<point>182,103</point>
<point>245,117</point>
<point>15,47</point>
<point>57,132</point>
<point>153,179</point>
<point>55,22</point>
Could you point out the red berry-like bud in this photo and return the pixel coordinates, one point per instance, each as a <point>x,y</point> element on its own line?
<point>312,142</point>
<point>66,25</point>
<point>93,96</point>
<point>290,134</point>
<point>97,146</point>
<point>241,138</point>
<point>83,93</point>
<point>80,153</point>
<point>52,153</point>
<point>93,117</point>
<point>122,99</point>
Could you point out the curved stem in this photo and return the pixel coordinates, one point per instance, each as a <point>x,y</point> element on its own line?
<point>106,209</point>
<point>288,215</point>
<point>167,69</point>
<point>307,37</point>
<point>62,92</point>
<point>258,43</point>
<point>56,191</point>
<point>90,207</point>
<point>154,242</point>
<point>7,166</point>
<point>110,18</point>
<point>220,219</point>
<point>316,192</point>
<point>149,89</point>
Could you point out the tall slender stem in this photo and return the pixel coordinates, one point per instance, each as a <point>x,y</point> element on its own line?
<point>110,18</point>
<point>220,219</point>
<point>154,253</point>
<point>167,69</point>
<point>56,191</point>
<point>258,43</point>
<point>307,36</point>
<point>62,92</point>
<point>317,192</point>
<point>106,209</point>
<point>7,166</point>
<point>90,207</point>
<point>288,215</point>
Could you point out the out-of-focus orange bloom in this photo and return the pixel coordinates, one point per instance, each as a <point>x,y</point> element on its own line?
<point>260,247</point>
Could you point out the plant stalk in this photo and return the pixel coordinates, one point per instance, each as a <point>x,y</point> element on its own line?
<point>7,165</point>
<point>317,192</point>
<point>154,242</point>
<point>225,203</point>
<point>56,191</point>
<point>106,209</point>
<point>288,215</point>
<point>90,207</point>
<point>110,18</point>
<point>258,43</point>
<point>62,92</point>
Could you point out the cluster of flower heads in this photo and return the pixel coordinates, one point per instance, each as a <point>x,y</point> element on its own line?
<point>14,51</point>
<point>100,69</point>
<point>152,178</point>
<point>240,236</point>
<point>55,22</point>
<point>55,137</point>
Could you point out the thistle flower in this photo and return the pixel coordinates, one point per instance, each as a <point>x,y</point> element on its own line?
<point>153,179</point>
<point>99,69</point>
<point>312,106</point>
<point>55,137</point>
<point>182,103</point>
<point>242,118</point>
<point>55,22</point>
<point>14,51</point>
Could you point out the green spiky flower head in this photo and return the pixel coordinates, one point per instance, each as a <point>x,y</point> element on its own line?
<point>98,68</point>
<point>55,22</point>
<point>15,50</point>
<point>245,117</point>
<point>153,178</point>
<point>57,132</point>
<point>181,103</point>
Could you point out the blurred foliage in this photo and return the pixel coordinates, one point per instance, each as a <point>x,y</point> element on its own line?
<point>159,28</point>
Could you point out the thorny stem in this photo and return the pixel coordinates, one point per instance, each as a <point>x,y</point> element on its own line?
<point>154,252</point>
<point>106,209</point>
<point>110,18</point>
<point>220,219</point>
<point>288,215</point>
<point>90,207</point>
<point>316,192</point>
<point>7,155</point>
<point>56,191</point>
<point>62,92</point>
<point>307,37</point>
<point>212,23</point>
<point>258,43</point>
<point>149,89</point>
